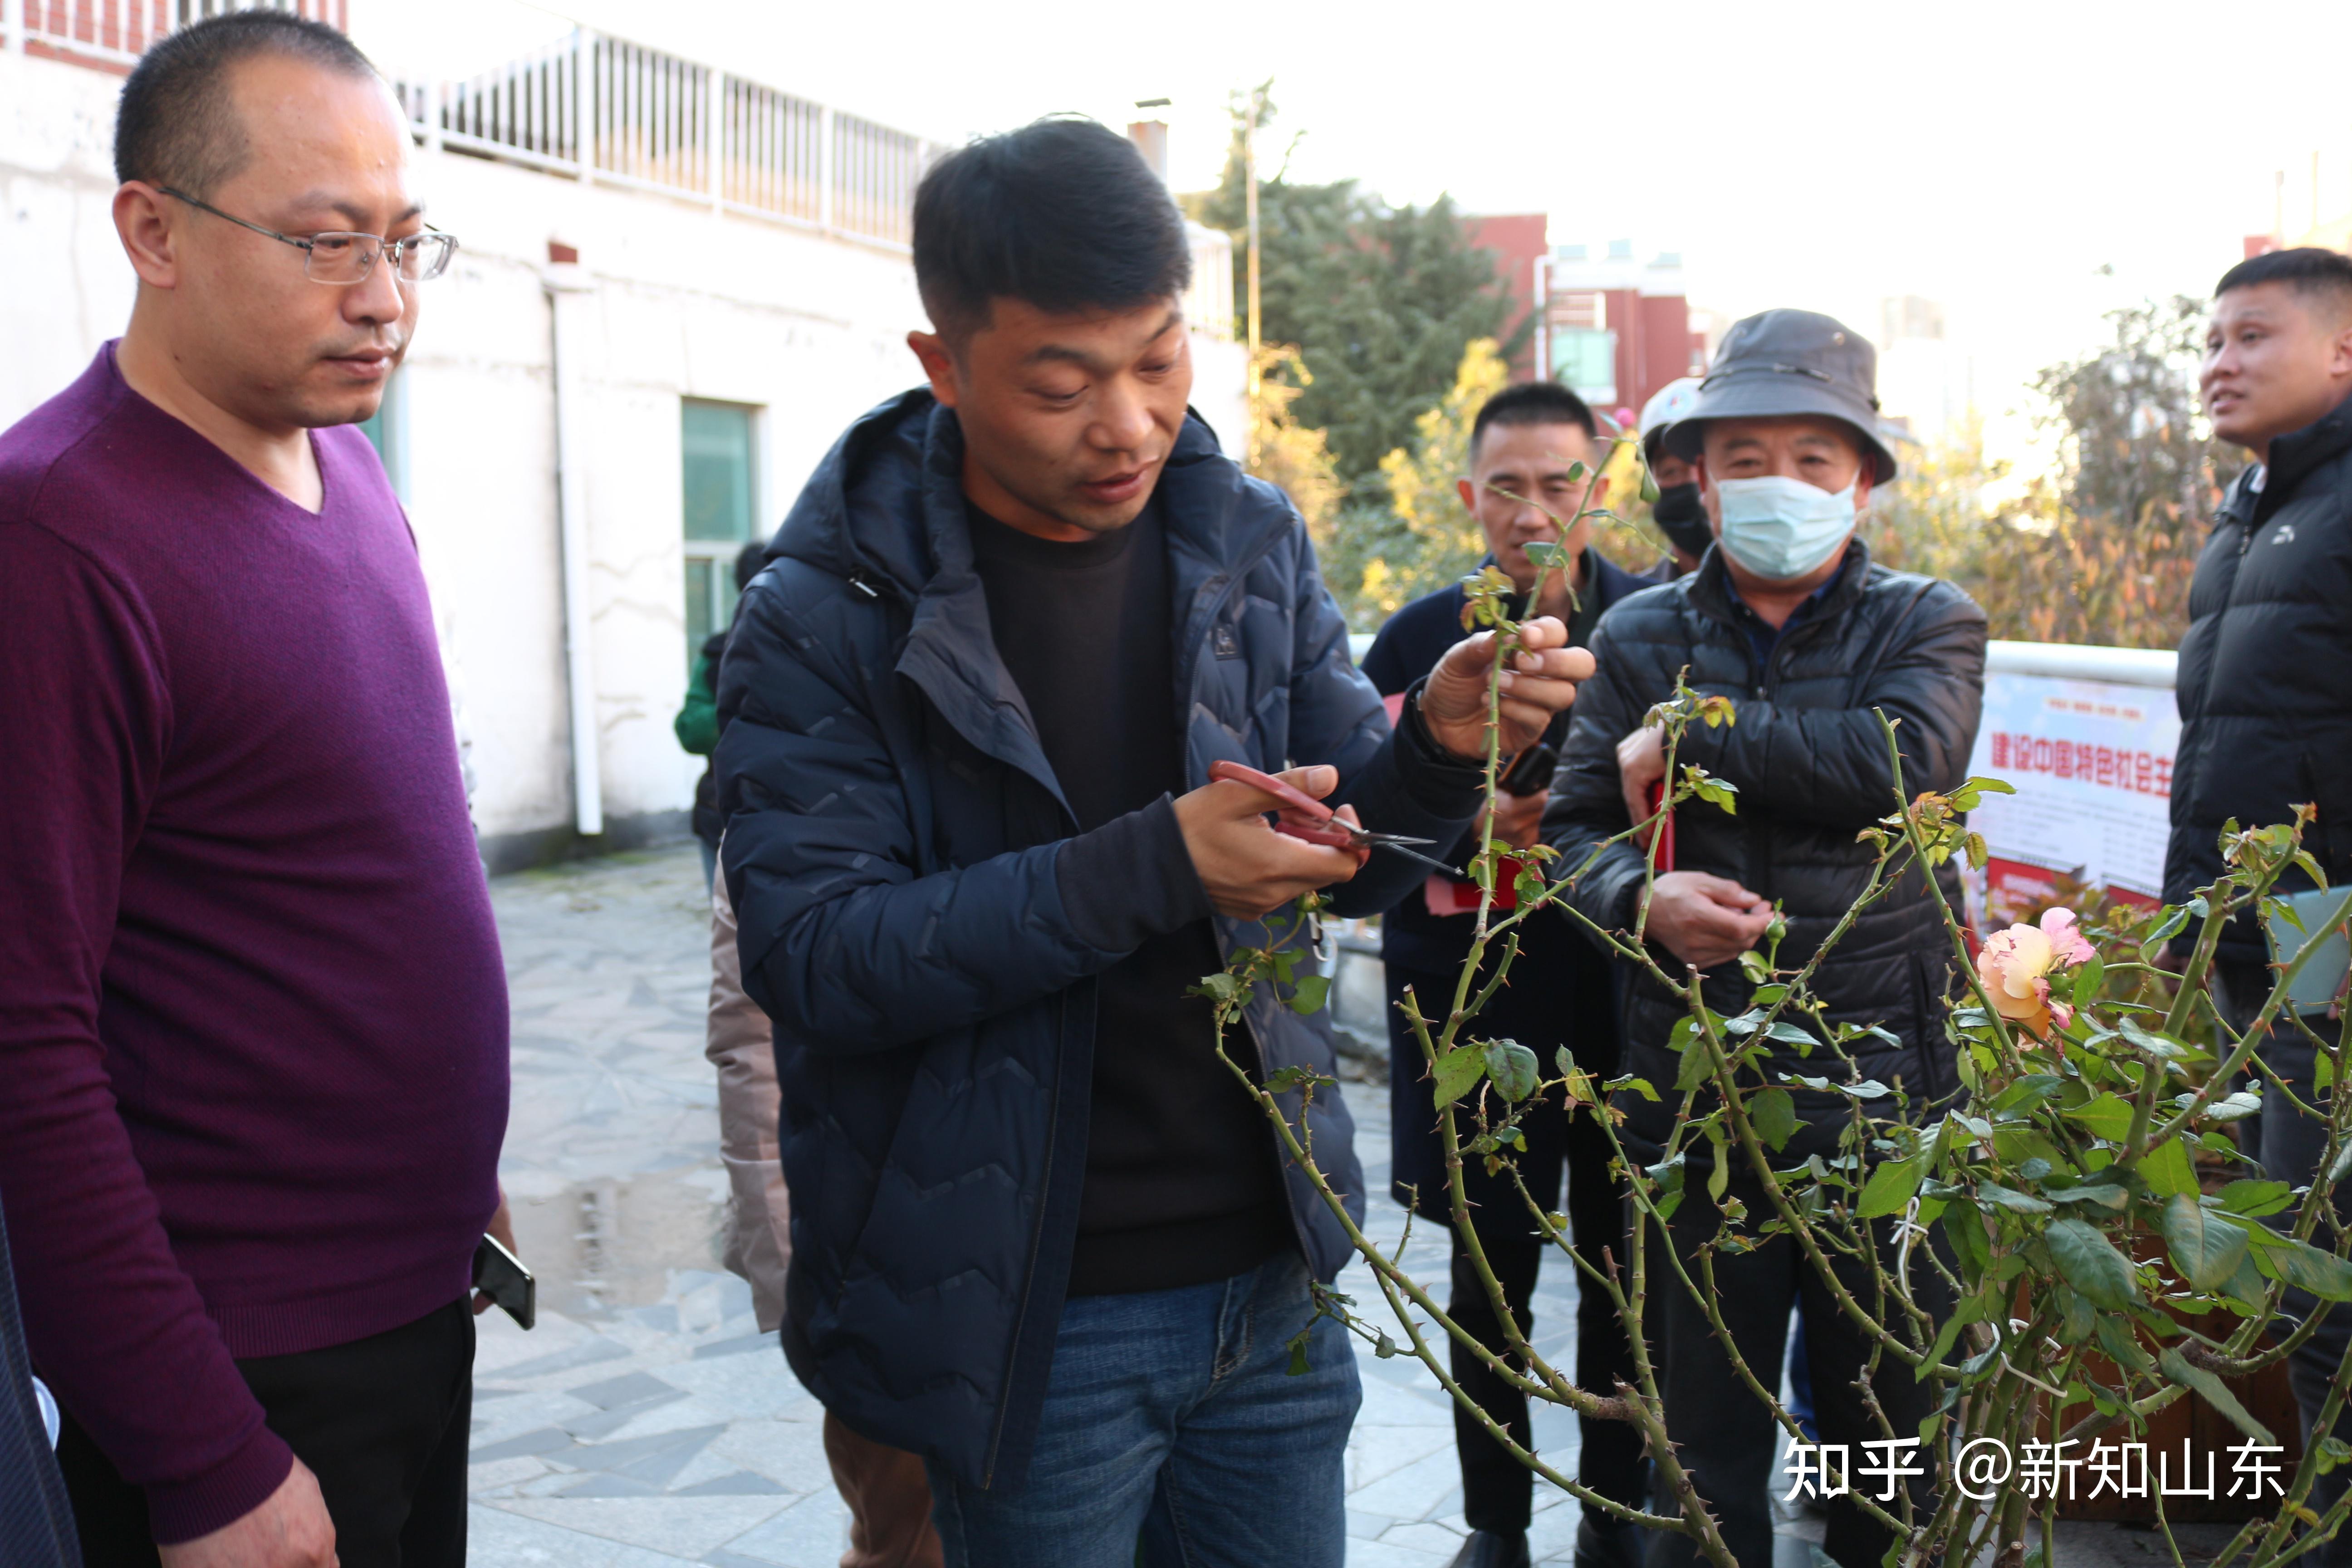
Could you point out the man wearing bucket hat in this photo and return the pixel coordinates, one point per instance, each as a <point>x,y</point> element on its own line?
<point>1787,617</point>
<point>1678,511</point>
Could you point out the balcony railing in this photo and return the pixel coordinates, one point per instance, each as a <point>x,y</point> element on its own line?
<point>601,108</point>
<point>588,107</point>
<point>113,34</point>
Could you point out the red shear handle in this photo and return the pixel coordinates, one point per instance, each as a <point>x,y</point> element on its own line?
<point>1292,797</point>
<point>1319,828</point>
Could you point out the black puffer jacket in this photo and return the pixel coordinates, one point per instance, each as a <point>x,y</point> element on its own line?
<point>2265,676</point>
<point>923,922</point>
<point>1810,763</point>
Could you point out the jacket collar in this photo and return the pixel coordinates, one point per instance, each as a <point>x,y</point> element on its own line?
<point>885,512</point>
<point>2294,456</point>
<point>1710,588</point>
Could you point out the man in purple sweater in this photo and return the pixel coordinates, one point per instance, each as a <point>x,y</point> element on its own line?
<point>253,1020</point>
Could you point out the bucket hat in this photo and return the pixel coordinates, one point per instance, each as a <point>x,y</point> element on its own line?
<point>1789,361</point>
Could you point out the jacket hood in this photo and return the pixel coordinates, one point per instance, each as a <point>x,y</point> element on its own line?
<point>873,510</point>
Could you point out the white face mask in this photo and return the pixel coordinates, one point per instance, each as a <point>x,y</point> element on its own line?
<point>1781,529</point>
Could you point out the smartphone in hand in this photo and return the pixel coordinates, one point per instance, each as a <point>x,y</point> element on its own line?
<point>499,1275</point>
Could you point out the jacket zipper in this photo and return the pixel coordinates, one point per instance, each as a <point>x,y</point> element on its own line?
<point>1053,1127</point>
<point>1069,824</point>
<point>1257,1041</point>
<point>1036,1244</point>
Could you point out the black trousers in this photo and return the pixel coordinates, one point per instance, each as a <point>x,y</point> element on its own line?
<point>382,1422</point>
<point>1498,1492</point>
<point>2291,1146</point>
<point>1725,1436</point>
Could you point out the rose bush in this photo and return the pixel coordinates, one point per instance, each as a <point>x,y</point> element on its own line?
<point>2059,1270</point>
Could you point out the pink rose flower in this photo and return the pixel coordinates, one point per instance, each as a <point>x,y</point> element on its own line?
<point>2014,967</point>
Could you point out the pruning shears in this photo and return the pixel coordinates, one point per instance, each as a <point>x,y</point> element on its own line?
<point>1322,825</point>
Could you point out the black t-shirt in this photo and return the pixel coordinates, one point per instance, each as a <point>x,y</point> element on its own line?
<point>1181,1184</point>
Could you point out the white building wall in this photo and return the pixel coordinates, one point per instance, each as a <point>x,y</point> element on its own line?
<point>64,285</point>
<point>684,303</point>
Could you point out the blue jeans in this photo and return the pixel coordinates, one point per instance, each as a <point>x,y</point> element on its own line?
<point>1171,1421</point>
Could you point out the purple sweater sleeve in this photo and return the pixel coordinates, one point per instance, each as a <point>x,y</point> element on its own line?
<point>115,1325</point>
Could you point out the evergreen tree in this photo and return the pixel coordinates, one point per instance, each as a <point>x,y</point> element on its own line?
<point>1380,301</point>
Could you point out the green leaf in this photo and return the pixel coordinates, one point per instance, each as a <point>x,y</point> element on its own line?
<point>2235,1107</point>
<point>1458,1072</point>
<point>2123,1347</point>
<point>1312,993</point>
<point>1284,1079</point>
<point>2206,1248</point>
<point>1791,1034</point>
<point>1216,987</point>
<point>1298,1367</point>
<point>2247,1284</point>
<point>2091,1263</point>
<point>1640,1086</point>
<point>2107,1195</point>
<point>1386,1348</point>
<point>2109,1117</point>
<point>1991,1192</point>
<point>1891,1187</point>
<point>2302,1265</point>
<point>2176,1366</point>
<point>1512,1066</point>
<point>2077,1317</point>
<point>1964,1228</point>
<point>1696,1067</point>
<point>1668,1175</point>
<point>2176,916</point>
<point>2255,1199</point>
<point>1773,1112</point>
<point>2168,1170</point>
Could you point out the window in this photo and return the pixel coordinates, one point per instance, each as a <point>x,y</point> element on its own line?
<point>1586,358</point>
<point>720,507</point>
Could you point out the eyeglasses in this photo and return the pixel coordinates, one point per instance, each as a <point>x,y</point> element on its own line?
<point>343,260</point>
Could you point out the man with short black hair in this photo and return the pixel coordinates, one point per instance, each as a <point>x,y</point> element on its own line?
<point>253,1017</point>
<point>2265,678</point>
<point>1533,462</point>
<point>1788,619</point>
<point>1040,1233</point>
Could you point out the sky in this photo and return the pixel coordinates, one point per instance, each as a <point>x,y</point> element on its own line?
<point>2025,166</point>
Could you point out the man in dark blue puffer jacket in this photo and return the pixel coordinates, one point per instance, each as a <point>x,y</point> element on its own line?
<point>1041,1234</point>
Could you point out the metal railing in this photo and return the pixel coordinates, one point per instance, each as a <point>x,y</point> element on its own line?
<point>601,109</point>
<point>591,107</point>
<point>113,34</point>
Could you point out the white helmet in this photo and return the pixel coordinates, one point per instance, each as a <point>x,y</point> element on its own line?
<point>1668,404</point>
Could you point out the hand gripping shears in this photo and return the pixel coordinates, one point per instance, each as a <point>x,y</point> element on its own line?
<point>1321,826</point>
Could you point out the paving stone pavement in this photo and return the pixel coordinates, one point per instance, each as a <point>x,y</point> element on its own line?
<point>648,1424</point>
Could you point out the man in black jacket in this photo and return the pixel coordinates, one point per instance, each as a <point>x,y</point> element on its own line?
<point>1040,1234</point>
<point>1787,617</point>
<point>2265,678</point>
<point>1525,447</point>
